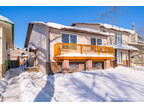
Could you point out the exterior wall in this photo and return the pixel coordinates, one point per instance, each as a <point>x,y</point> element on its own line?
<point>88,26</point>
<point>38,40</point>
<point>55,37</point>
<point>3,51</point>
<point>137,57</point>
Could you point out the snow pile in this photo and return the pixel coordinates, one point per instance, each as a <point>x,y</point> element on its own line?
<point>5,19</point>
<point>119,84</point>
<point>84,55</point>
<point>3,85</point>
<point>116,28</point>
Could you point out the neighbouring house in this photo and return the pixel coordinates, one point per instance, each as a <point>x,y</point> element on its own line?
<point>6,42</point>
<point>17,57</point>
<point>83,46</point>
<point>137,57</point>
<point>122,40</point>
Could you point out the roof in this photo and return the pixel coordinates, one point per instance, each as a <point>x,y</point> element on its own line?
<point>124,47</point>
<point>108,26</point>
<point>60,26</point>
<point>2,18</point>
<point>63,27</point>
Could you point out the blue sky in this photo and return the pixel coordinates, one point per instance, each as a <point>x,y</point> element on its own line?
<point>66,15</point>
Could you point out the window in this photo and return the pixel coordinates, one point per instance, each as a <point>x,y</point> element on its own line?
<point>99,41</point>
<point>98,65</point>
<point>95,41</point>
<point>65,38</point>
<point>119,57</point>
<point>69,38</point>
<point>118,39</point>
<point>73,39</point>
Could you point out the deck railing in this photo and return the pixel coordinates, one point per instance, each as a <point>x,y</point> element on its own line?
<point>69,48</point>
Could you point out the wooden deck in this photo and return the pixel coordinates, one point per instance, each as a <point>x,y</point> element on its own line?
<point>69,48</point>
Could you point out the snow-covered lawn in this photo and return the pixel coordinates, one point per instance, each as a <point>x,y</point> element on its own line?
<point>119,84</point>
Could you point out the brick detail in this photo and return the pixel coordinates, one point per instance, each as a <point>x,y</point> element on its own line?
<point>80,67</point>
<point>126,63</point>
<point>55,67</point>
<point>65,66</point>
<point>107,64</point>
<point>89,65</point>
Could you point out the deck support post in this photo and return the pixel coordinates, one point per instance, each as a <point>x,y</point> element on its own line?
<point>89,65</point>
<point>65,66</point>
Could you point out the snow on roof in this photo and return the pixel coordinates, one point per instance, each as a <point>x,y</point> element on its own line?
<point>125,47</point>
<point>60,26</point>
<point>84,55</point>
<point>5,19</point>
<point>116,28</point>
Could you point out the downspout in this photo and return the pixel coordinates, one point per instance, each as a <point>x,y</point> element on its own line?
<point>48,64</point>
<point>115,57</point>
<point>129,58</point>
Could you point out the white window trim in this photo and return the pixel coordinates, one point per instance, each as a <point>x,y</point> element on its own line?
<point>116,41</point>
<point>119,62</point>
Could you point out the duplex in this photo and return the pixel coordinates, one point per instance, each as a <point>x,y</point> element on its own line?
<point>56,48</point>
<point>6,42</point>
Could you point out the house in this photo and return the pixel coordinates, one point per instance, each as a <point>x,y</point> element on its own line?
<point>17,56</point>
<point>137,57</point>
<point>121,40</point>
<point>6,42</point>
<point>83,46</point>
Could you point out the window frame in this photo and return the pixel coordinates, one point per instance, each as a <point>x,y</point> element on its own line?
<point>118,40</point>
<point>69,35</point>
<point>119,58</point>
<point>96,40</point>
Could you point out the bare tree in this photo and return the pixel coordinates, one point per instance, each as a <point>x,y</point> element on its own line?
<point>111,14</point>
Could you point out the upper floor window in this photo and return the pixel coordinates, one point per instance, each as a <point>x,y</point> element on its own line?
<point>118,39</point>
<point>69,38</point>
<point>95,41</point>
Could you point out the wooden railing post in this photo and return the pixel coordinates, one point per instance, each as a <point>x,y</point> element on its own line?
<point>98,50</point>
<point>81,49</point>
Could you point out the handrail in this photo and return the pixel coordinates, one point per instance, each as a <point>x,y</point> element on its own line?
<point>82,48</point>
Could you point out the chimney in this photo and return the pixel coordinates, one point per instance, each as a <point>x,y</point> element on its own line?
<point>133,26</point>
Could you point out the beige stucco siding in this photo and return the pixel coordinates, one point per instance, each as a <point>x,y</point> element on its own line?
<point>0,51</point>
<point>38,40</point>
<point>88,26</point>
<point>3,50</point>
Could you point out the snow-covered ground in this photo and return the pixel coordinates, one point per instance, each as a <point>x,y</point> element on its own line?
<point>119,84</point>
